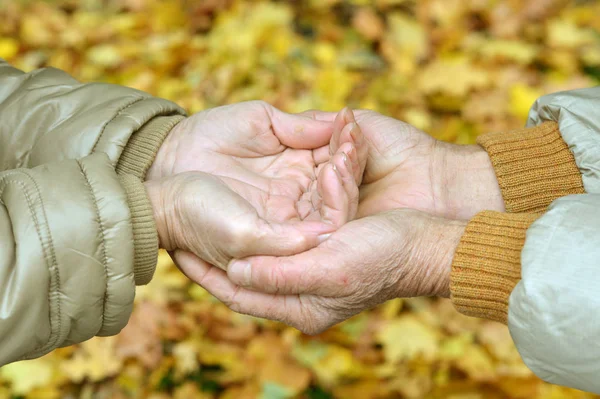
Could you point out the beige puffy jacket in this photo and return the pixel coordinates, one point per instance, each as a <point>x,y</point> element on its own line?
<point>76,227</point>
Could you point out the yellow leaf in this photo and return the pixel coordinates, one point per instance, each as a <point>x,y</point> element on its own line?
<point>332,87</point>
<point>406,338</point>
<point>8,47</point>
<point>504,50</point>
<point>337,364</point>
<point>564,33</point>
<point>477,364</point>
<point>35,31</point>
<point>454,76</point>
<point>95,359</point>
<point>105,55</point>
<point>522,98</point>
<point>419,118</point>
<point>27,375</point>
<point>405,43</point>
<point>454,347</point>
<point>186,357</point>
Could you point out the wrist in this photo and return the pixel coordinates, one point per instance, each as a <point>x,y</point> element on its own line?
<point>154,189</point>
<point>424,261</point>
<point>446,235</point>
<point>164,161</point>
<point>467,181</point>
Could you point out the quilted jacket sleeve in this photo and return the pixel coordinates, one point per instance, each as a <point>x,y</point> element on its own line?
<point>66,270</point>
<point>46,116</point>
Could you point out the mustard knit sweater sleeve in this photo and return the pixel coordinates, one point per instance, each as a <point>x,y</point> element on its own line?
<point>534,167</point>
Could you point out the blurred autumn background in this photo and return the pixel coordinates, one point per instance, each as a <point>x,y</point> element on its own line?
<point>454,68</point>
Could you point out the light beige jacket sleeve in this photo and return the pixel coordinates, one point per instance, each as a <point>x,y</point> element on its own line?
<point>538,269</point>
<point>76,226</point>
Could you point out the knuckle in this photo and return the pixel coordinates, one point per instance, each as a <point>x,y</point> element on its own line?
<point>262,106</point>
<point>233,302</point>
<point>276,278</point>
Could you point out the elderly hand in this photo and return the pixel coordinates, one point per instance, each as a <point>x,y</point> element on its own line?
<point>399,253</point>
<point>258,145</point>
<point>407,168</point>
<point>275,205</point>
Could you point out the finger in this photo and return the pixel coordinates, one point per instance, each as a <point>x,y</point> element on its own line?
<point>343,118</point>
<point>300,132</point>
<point>238,299</point>
<point>334,201</point>
<point>319,115</point>
<point>343,164</point>
<point>285,238</point>
<point>191,266</point>
<point>321,155</point>
<point>304,207</point>
<point>329,116</point>
<point>305,273</point>
<point>352,133</point>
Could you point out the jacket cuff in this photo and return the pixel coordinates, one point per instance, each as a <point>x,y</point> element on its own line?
<point>142,147</point>
<point>534,166</point>
<point>487,264</point>
<point>145,235</point>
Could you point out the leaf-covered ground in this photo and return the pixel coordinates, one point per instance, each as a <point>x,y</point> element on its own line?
<point>454,68</point>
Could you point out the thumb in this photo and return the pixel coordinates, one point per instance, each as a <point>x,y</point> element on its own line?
<point>300,131</point>
<point>283,239</point>
<point>306,273</point>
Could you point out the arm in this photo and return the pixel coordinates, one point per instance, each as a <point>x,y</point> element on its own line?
<point>66,257</point>
<point>48,116</point>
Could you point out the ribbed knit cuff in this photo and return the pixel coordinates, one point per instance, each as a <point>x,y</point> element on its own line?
<point>534,166</point>
<point>142,147</point>
<point>145,236</point>
<point>487,263</point>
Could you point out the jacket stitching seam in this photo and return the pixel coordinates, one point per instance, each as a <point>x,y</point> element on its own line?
<point>137,100</point>
<point>103,235</point>
<point>53,263</point>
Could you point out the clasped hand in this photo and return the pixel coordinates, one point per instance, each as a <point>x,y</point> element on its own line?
<point>260,208</point>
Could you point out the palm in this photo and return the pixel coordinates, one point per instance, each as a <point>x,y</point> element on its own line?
<point>269,184</point>
<point>246,144</point>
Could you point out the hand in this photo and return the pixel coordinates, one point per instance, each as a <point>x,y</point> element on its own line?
<point>261,146</point>
<point>219,218</point>
<point>399,253</point>
<point>407,168</point>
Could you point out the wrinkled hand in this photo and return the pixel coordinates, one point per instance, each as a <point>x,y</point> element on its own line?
<point>278,153</point>
<point>399,253</point>
<point>407,168</point>
<point>280,204</point>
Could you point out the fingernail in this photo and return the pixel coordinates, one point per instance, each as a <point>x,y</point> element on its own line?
<point>352,154</point>
<point>337,172</point>
<point>354,132</point>
<point>323,237</point>
<point>347,161</point>
<point>240,273</point>
<point>350,115</point>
